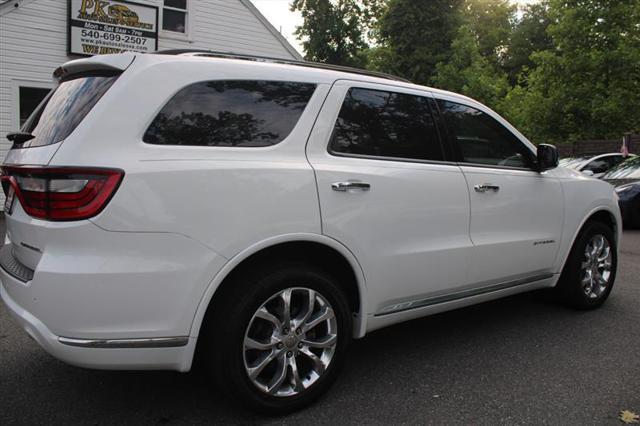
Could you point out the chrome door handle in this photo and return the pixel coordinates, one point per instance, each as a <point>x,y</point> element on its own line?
<point>345,186</point>
<point>486,187</point>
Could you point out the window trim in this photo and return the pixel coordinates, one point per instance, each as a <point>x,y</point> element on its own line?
<point>175,35</point>
<point>390,159</point>
<point>391,89</point>
<point>455,148</point>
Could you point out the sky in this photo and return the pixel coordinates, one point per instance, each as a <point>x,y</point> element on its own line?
<point>278,13</point>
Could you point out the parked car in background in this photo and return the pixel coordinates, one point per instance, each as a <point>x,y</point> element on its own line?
<point>629,202</point>
<point>262,213</point>
<point>591,165</point>
<point>626,178</point>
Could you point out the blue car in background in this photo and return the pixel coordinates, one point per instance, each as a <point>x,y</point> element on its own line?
<point>626,178</point>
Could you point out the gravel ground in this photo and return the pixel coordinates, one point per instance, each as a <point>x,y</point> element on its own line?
<point>519,360</point>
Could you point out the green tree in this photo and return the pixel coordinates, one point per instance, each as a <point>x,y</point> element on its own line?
<point>491,22</point>
<point>469,72</point>
<point>588,85</point>
<point>529,35</point>
<point>333,31</point>
<point>473,67</point>
<point>414,36</point>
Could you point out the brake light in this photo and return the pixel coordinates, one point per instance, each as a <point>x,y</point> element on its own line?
<point>61,193</point>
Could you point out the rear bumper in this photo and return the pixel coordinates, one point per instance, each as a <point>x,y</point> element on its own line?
<point>116,358</point>
<point>106,300</point>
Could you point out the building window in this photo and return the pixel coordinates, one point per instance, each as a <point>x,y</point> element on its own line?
<point>174,16</point>
<point>30,98</point>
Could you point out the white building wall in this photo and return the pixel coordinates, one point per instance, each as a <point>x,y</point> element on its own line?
<point>33,42</point>
<point>227,25</point>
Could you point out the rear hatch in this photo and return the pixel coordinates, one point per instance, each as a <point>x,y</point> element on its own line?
<point>81,85</point>
<point>37,196</point>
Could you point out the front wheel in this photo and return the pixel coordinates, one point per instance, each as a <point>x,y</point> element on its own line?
<point>590,271</point>
<point>279,338</point>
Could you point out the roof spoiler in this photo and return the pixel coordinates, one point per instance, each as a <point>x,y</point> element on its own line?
<point>113,62</point>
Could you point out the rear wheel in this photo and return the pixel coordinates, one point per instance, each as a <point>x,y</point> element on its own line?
<point>278,339</point>
<point>590,271</point>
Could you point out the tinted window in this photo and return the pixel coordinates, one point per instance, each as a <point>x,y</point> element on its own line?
<point>230,113</point>
<point>65,108</point>
<point>598,166</point>
<point>603,164</point>
<point>386,124</point>
<point>481,139</point>
<point>614,160</point>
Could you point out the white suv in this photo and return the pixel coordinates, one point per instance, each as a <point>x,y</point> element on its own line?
<point>257,215</point>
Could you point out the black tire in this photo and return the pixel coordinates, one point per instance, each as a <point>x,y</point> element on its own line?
<point>222,338</point>
<point>570,287</point>
<point>635,214</point>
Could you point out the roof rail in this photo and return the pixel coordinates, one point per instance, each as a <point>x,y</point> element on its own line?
<point>257,58</point>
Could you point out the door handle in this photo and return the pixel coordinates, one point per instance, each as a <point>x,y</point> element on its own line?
<point>486,187</point>
<point>346,186</point>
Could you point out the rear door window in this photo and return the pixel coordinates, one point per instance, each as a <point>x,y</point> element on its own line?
<point>378,123</point>
<point>230,113</point>
<point>64,108</point>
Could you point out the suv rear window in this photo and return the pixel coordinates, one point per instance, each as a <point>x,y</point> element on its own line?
<point>64,108</point>
<point>230,113</point>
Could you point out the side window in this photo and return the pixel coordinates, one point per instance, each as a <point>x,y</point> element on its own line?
<point>386,124</point>
<point>230,113</point>
<point>483,140</point>
<point>614,160</point>
<point>598,166</point>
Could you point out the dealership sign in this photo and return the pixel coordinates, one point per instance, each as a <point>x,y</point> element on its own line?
<point>97,27</point>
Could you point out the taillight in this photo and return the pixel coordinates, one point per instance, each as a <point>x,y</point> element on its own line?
<point>61,193</point>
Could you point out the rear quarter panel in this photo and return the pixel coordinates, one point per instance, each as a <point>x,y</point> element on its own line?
<point>227,198</point>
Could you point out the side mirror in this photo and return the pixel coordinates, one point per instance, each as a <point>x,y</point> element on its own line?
<point>588,172</point>
<point>547,157</point>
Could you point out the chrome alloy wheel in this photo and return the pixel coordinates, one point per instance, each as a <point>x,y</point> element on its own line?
<point>596,268</point>
<point>290,341</point>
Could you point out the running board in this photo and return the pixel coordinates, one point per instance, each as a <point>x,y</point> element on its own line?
<point>429,301</point>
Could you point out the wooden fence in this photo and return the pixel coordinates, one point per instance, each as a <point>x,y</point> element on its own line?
<point>598,146</point>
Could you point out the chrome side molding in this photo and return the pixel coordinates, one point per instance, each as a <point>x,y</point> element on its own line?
<point>421,303</point>
<point>154,342</point>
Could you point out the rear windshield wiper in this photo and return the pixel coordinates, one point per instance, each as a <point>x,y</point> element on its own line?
<point>20,137</point>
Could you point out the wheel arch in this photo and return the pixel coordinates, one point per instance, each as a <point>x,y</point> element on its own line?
<point>601,214</point>
<point>302,245</point>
